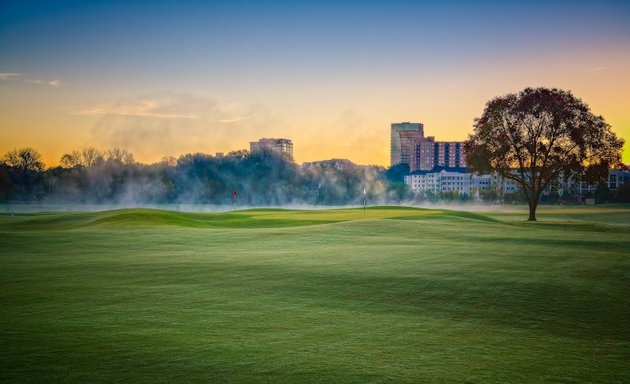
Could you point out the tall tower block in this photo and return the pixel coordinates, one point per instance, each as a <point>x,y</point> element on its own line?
<point>404,140</point>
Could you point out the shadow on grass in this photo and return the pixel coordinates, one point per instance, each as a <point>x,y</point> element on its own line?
<point>556,307</point>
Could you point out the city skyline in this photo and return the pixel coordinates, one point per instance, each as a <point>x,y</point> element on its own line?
<point>171,78</point>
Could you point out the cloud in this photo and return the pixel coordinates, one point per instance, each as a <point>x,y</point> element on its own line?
<point>140,108</point>
<point>234,120</point>
<point>595,69</point>
<point>10,75</point>
<point>170,123</point>
<point>20,77</point>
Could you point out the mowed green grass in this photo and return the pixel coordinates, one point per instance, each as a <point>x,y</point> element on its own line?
<point>389,295</point>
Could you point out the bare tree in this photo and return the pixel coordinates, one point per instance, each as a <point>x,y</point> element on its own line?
<point>87,157</point>
<point>120,155</point>
<point>25,159</point>
<point>170,161</point>
<point>71,160</point>
<point>91,156</point>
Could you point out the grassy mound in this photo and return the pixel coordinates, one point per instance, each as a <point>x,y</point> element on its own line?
<point>252,218</point>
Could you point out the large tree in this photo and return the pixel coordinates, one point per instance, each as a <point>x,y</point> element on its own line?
<point>541,135</point>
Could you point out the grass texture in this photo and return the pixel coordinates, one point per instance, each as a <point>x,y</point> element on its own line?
<point>390,295</point>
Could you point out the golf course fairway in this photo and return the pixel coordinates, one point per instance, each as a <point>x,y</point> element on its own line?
<point>392,294</point>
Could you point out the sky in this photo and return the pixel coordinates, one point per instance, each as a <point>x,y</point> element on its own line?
<point>164,78</point>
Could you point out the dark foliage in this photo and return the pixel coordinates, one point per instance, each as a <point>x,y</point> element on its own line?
<point>396,173</point>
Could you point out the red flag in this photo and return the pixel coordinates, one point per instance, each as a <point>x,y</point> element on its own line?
<point>234,194</point>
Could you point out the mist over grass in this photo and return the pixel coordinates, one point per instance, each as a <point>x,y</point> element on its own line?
<point>240,179</point>
<point>94,180</point>
<point>35,207</point>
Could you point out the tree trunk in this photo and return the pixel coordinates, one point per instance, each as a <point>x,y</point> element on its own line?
<point>533,204</point>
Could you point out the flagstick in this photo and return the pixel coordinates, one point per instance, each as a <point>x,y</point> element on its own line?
<point>364,199</point>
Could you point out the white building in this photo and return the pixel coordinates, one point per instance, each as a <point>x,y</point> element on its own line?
<point>616,178</point>
<point>441,180</point>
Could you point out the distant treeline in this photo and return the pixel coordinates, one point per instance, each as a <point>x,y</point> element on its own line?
<point>266,178</point>
<point>262,178</point>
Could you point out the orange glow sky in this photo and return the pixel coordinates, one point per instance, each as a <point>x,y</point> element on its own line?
<point>170,79</point>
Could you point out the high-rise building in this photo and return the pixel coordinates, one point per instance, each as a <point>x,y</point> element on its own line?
<point>425,150</point>
<point>449,154</point>
<point>409,146</point>
<point>404,139</point>
<point>283,146</point>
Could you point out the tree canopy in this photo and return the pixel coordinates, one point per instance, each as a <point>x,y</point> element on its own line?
<point>541,135</point>
<point>25,159</point>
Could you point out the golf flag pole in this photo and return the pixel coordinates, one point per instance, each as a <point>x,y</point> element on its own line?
<point>234,195</point>
<point>364,197</point>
